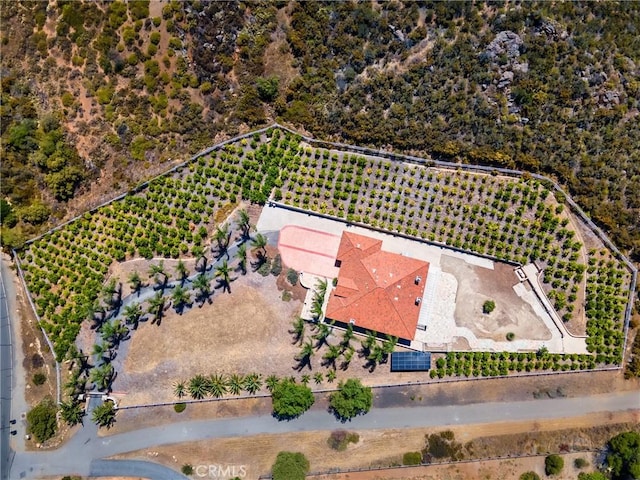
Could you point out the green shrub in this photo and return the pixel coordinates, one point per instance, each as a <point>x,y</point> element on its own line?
<point>180,407</point>
<point>290,466</point>
<point>186,469</point>
<point>276,266</point>
<point>265,268</point>
<point>340,439</point>
<point>39,378</point>
<point>511,336</point>
<point>412,458</point>
<point>529,476</point>
<point>553,464</point>
<point>580,463</point>
<point>290,399</point>
<point>42,420</point>
<point>488,306</point>
<point>292,276</point>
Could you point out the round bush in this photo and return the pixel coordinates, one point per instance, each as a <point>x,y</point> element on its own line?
<point>511,336</point>
<point>180,407</point>
<point>39,378</point>
<point>529,476</point>
<point>553,464</point>
<point>412,458</point>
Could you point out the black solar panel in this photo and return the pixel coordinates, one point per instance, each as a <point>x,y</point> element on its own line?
<point>410,361</point>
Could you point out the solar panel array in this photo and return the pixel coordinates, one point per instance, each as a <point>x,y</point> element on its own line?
<point>410,361</point>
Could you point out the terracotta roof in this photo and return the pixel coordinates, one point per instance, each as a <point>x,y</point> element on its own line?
<point>377,289</point>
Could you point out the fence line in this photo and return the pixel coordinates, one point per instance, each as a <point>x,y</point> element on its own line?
<point>369,152</point>
<point>433,381</point>
<point>337,470</point>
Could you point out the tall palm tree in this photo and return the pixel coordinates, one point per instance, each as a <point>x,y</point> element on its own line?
<point>297,330</point>
<point>375,357</point>
<point>135,282</point>
<point>201,258</point>
<point>260,242</point>
<point>305,379</point>
<point>180,298</point>
<point>330,356</point>
<point>156,271</point>
<point>304,357</point>
<point>346,358</point>
<point>156,307</point>
<point>114,332</point>
<point>368,343</point>
<point>244,224</point>
<point>235,383</point>
<point>388,346</point>
<point>347,336</point>
<point>103,351</point>
<point>102,376</point>
<point>223,275</point>
<point>322,334</point>
<point>76,383</point>
<point>252,383</point>
<point>241,255</point>
<point>72,412</point>
<point>132,314</point>
<point>182,271</point>
<point>222,237</point>
<point>104,415</point>
<point>318,377</point>
<point>108,291</point>
<point>331,376</point>
<point>203,284</point>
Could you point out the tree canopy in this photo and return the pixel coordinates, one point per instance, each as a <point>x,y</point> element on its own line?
<point>351,399</point>
<point>42,420</point>
<point>290,399</point>
<point>624,456</point>
<point>290,466</point>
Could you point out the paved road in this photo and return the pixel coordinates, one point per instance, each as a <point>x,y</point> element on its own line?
<point>85,447</point>
<point>133,468</point>
<point>7,296</point>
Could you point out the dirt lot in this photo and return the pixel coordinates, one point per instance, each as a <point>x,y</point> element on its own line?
<point>386,447</point>
<point>512,313</point>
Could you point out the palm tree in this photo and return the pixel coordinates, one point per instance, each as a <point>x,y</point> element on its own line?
<point>252,383</point>
<point>132,314</point>
<point>159,275</point>
<point>104,415</point>
<point>179,389</point>
<point>135,281</point>
<point>241,255</point>
<point>76,383</point>
<point>347,336</point>
<point>323,333</point>
<point>182,271</point>
<point>222,237</point>
<point>180,298</point>
<point>260,242</point>
<point>108,291</point>
<point>203,284</point>
<point>331,376</point>
<point>318,377</point>
<point>72,412</point>
<point>102,350</point>
<point>235,383</point>
<point>102,376</point>
<point>331,356</point>
<point>297,330</point>
<point>96,314</point>
<point>198,387</point>
<point>304,357</point>
<point>346,358</point>
<point>388,346</point>
<point>114,332</point>
<point>368,343</point>
<point>216,385</point>
<point>244,224</point>
<point>306,378</point>
<point>375,357</point>
<point>156,307</point>
<point>271,382</point>
<point>223,276</point>
<point>201,259</point>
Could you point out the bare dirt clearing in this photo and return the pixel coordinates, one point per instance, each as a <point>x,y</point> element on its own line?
<point>386,447</point>
<point>512,313</point>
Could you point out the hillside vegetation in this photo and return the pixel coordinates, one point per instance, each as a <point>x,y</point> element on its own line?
<point>97,96</point>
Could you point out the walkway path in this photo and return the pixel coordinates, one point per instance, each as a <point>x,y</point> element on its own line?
<point>78,454</point>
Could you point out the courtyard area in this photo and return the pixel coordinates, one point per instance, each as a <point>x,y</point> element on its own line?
<point>451,316</point>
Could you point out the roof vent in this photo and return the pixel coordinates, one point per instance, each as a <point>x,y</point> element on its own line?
<point>418,280</point>
<point>352,321</point>
<point>418,300</point>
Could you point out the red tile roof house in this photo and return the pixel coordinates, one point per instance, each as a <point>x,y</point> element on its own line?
<point>377,290</point>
